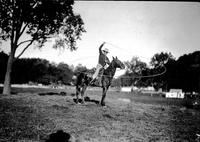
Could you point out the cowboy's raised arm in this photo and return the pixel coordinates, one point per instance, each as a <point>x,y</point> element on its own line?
<point>100,51</point>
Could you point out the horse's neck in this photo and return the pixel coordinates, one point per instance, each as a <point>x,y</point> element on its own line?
<point>111,69</point>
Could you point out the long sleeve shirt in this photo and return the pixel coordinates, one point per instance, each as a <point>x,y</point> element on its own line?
<point>103,59</point>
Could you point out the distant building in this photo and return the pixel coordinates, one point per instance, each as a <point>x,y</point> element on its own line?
<point>175,93</point>
<point>126,89</point>
<point>132,88</point>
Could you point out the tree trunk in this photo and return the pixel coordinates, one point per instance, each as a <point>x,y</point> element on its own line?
<point>199,83</point>
<point>7,81</point>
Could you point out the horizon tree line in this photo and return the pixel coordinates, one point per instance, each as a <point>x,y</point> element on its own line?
<point>183,73</point>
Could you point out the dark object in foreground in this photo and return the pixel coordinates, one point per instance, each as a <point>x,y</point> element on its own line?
<point>59,136</point>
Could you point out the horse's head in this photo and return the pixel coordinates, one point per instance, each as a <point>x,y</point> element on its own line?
<point>118,63</point>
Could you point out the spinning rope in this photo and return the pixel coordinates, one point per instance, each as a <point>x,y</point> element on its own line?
<point>137,76</point>
<point>141,76</point>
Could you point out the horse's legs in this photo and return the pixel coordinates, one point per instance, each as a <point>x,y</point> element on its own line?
<point>77,93</point>
<point>103,96</point>
<point>82,93</point>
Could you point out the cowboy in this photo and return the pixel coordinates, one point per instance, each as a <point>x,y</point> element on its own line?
<point>103,61</point>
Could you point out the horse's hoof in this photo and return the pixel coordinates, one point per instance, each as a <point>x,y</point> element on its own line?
<point>103,104</point>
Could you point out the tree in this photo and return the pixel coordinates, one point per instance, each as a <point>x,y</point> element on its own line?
<point>159,59</point>
<point>188,68</point>
<point>158,62</point>
<point>79,69</point>
<point>134,71</point>
<point>3,61</point>
<point>66,73</point>
<point>30,70</point>
<point>38,20</point>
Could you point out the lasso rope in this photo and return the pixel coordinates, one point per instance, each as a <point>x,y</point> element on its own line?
<point>147,76</point>
<point>142,76</point>
<point>139,76</point>
<point>123,49</point>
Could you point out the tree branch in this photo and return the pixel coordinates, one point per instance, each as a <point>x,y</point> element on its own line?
<point>31,41</point>
<point>12,33</point>
<point>25,42</point>
<point>21,32</point>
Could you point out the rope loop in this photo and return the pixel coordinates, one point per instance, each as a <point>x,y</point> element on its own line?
<point>140,76</point>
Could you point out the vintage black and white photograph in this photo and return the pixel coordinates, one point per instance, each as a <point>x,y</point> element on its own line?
<point>99,71</point>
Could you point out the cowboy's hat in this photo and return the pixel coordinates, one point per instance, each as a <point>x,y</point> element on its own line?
<point>106,50</point>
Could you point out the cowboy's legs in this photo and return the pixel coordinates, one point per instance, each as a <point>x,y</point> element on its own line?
<point>99,66</point>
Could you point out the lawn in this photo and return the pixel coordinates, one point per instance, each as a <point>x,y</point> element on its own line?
<point>32,114</point>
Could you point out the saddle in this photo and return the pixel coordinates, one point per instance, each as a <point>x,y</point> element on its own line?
<point>97,81</point>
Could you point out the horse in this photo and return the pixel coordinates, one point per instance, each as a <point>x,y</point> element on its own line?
<point>83,80</point>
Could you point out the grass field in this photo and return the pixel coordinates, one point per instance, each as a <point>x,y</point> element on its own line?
<point>32,114</point>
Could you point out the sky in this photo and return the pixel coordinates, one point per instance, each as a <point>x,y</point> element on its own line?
<point>129,28</point>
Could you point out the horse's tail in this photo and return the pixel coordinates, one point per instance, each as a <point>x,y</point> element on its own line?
<point>83,78</point>
<point>79,78</point>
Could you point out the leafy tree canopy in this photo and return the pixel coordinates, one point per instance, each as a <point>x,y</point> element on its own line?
<point>135,66</point>
<point>160,59</point>
<point>40,19</point>
<point>37,20</point>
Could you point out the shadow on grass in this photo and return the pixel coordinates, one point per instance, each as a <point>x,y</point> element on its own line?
<point>52,93</point>
<point>86,99</point>
<point>59,136</point>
